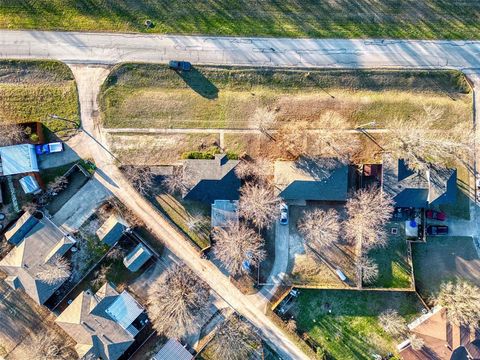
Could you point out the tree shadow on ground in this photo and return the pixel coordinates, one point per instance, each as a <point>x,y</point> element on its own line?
<point>199,83</point>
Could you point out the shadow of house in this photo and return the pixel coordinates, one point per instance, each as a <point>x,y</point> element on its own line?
<point>310,179</point>
<point>199,83</point>
<point>103,324</point>
<point>443,340</point>
<point>37,242</point>
<point>418,189</point>
<point>213,179</point>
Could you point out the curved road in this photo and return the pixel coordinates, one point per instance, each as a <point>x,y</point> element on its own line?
<point>80,49</point>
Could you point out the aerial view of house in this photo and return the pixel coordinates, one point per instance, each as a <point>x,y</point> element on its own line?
<point>239,180</point>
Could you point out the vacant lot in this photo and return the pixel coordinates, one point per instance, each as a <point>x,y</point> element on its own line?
<point>31,90</point>
<point>345,322</point>
<point>394,269</point>
<point>443,259</point>
<point>429,19</point>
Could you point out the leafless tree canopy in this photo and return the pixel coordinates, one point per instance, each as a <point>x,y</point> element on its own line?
<point>320,228</point>
<point>368,211</point>
<point>462,301</point>
<point>392,323</point>
<point>291,325</point>
<point>56,270</point>
<point>421,143</point>
<point>236,243</point>
<point>177,300</point>
<point>368,270</point>
<point>417,343</point>
<point>259,204</point>
<point>178,182</point>
<point>11,134</point>
<point>48,346</point>
<point>234,340</point>
<point>259,169</point>
<point>101,276</point>
<point>140,177</point>
<point>264,119</point>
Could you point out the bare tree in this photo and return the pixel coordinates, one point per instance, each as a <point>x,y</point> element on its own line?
<point>422,144</point>
<point>234,340</point>
<point>177,300</point>
<point>47,346</point>
<point>101,276</point>
<point>259,204</point>
<point>264,120</point>
<point>291,325</point>
<point>235,244</point>
<point>116,253</point>
<point>11,134</point>
<point>368,211</point>
<point>178,182</point>
<point>392,323</point>
<point>367,269</point>
<point>196,221</point>
<point>417,343</point>
<point>259,169</point>
<point>140,177</point>
<point>293,138</point>
<point>462,301</point>
<point>320,228</point>
<point>55,271</point>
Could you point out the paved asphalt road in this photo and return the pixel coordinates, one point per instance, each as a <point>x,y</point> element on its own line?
<point>105,48</point>
<point>79,49</point>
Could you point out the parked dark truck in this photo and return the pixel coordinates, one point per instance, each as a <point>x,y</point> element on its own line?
<point>437,229</point>
<point>180,65</point>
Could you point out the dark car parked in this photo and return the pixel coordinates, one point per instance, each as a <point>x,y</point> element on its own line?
<point>437,229</point>
<point>180,65</point>
<point>435,215</point>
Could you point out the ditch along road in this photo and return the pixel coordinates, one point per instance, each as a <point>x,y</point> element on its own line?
<point>89,79</point>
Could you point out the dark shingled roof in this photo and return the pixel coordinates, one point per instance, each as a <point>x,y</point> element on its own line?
<point>212,179</point>
<point>312,179</point>
<point>418,189</point>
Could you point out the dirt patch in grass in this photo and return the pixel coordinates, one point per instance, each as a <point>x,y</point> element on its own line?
<point>443,259</point>
<point>430,19</point>
<point>151,96</point>
<point>31,90</point>
<point>345,322</point>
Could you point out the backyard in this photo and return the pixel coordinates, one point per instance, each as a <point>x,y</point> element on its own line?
<point>345,323</point>
<point>31,90</point>
<point>443,259</point>
<point>139,97</point>
<point>291,18</point>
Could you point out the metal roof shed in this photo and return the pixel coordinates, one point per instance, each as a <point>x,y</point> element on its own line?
<point>124,310</point>
<point>136,258</point>
<point>30,185</point>
<point>112,230</point>
<point>173,350</point>
<point>18,159</point>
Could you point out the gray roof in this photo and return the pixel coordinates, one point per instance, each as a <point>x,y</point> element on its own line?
<point>312,179</point>
<point>137,257</point>
<point>27,259</point>
<point>212,179</point>
<point>223,212</point>
<point>18,159</point>
<point>112,230</point>
<point>173,350</point>
<point>90,321</point>
<point>418,189</point>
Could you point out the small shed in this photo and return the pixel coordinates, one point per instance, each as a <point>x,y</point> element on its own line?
<point>112,230</point>
<point>223,212</point>
<point>125,310</point>
<point>173,350</point>
<point>30,185</point>
<point>137,257</point>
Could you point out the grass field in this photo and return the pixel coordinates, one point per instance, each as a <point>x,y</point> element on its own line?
<point>443,259</point>
<point>429,19</point>
<point>394,269</point>
<point>31,90</point>
<point>351,331</point>
<point>151,96</point>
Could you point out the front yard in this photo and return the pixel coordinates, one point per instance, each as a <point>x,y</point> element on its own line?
<point>345,322</point>
<point>443,259</point>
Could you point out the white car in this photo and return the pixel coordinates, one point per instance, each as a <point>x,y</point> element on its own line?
<point>284,214</point>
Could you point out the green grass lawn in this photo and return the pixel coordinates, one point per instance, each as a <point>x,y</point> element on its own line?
<point>444,258</point>
<point>394,269</point>
<point>351,330</point>
<point>146,96</point>
<point>429,19</point>
<point>31,90</point>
